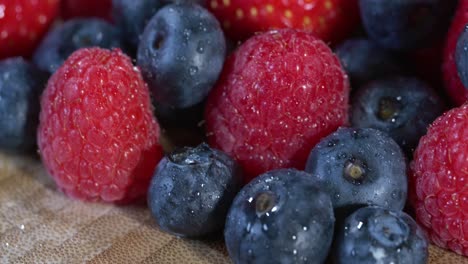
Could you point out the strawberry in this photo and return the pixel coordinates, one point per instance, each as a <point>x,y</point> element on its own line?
<point>330,20</point>
<point>86,8</point>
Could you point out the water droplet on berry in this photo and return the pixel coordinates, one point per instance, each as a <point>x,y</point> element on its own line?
<point>294,237</point>
<point>295,252</point>
<point>360,224</point>
<point>249,227</point>
<point>265,227</point>
<point>200,47</point>
<point>193,70</point>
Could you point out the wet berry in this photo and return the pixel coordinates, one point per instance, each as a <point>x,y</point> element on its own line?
<point>281,216</point>
<point>359,167</point>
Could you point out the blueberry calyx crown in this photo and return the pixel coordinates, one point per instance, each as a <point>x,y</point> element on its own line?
<point>158,41</point>
<point>355,170</point>
<point>264,203</point>
<point>389,108</point>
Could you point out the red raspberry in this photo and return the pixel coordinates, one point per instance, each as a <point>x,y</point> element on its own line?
<point>23,23</point>
<point>453,84</point>
<point>439,179</point>
<point>279,93</point>
<point>331,20</point>
<point>97,135</point>
<point>86,8</point>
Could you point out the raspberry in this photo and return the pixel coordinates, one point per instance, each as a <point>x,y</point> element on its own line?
<point>22,24</point>
<point>439,181</point>
<point>278,95</point>
<point>97,136</point>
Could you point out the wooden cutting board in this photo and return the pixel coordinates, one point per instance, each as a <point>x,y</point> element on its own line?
<point>38,224</point>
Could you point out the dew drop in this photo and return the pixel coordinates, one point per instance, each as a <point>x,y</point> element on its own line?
<point>248,228</point>
<point>360,224</point>
<point>200,47</point>
<point>193,70</point>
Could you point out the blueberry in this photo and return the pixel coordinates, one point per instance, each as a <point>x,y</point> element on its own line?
<point>461,56</point>
<point>359,167</point>
<point>192,190</point>
<point>72,35</point>
<point>189,117</point>
<point>403,107</point>
<point>363,61</point>
<point>378,235</point>
<point>132,16</point>
<point>406,24</point>
<point>282,216</point>
<point>181,54</point>
<point>21,85</point>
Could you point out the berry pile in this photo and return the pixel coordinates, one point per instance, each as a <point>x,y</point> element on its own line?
<point>319,121</point>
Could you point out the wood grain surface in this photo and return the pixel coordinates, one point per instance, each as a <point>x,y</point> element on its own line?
<point>38,224</point>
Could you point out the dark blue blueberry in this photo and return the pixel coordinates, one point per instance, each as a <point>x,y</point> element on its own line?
<point>401,107</point>
<point>192,190</point>
<point>377,235</point>
<point>21,85</point>
<point>359,167</point>
<point>132,16</point>
<point>406,24</point>
<point>363,61</point>
<point>180,117</point>
<point>282,216</point>
<point>461,56</point>
<point>72,35</point>
<point>181,54</point>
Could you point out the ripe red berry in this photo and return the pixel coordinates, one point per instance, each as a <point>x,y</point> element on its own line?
<point>23,23</point>
<point>453,85</point>
<point>86,8</point>
<point>277,96</point>
<point>439,179</point>
<point>97,136</point>
<point>331,20</point>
